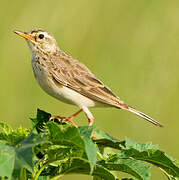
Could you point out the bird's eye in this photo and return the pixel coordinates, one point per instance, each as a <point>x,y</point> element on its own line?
<point>41,36</point>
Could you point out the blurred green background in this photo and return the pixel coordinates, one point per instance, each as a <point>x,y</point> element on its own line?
<point>132,46</point>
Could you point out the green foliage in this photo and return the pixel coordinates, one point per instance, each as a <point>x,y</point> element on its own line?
<point>52,149</point>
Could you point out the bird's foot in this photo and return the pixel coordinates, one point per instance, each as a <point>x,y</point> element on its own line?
<point>64,119</point>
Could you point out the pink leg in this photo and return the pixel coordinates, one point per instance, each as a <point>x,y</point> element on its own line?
<point>89,116</point>
<point>90,121</point>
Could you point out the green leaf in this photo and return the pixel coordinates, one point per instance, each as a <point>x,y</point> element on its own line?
<point>12,136</point>
<point>136,168</point>
<point>90,147</point>
<point>23,174</point>
<point>53,149</point>
<point>82,166</point>
<point>65,134</point>
<point>151,154</point>
<point>69,135</point>
<point>7,158</point>
<point>140,147</point>
<point>5,128</point>
<point>42,178</point>
<point>42,117</point>
<point>24,153</point>
<point>105,140</point>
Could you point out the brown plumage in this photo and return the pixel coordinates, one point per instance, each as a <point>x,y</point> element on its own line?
<point>67,79</point>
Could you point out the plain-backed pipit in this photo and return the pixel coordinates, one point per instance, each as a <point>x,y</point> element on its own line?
<point>68,80</point>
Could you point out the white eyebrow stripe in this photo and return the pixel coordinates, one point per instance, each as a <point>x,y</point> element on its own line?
<point>46,35</point>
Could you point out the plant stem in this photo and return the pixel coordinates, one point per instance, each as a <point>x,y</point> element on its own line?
<point>40,171</point>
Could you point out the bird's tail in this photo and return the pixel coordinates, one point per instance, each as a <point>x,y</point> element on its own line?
<point>144,116</point>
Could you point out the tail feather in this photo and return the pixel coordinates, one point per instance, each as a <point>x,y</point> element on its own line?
<point>144,116</point>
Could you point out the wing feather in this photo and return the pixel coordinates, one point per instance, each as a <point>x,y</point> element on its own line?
<point>71,73</point>
<point>75,75</point>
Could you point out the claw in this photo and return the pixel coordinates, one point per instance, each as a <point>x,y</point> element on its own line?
<point>64,119</point>
<point>69,119</point>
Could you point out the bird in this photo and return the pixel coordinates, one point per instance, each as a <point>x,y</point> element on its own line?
<point>68,80</point>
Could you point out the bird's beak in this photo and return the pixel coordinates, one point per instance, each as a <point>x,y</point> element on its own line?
<point>24,35</point>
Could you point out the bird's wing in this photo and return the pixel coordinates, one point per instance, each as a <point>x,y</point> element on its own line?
<point>71,73</point>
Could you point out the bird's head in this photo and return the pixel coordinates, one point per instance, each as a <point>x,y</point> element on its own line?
<point>39,40</point>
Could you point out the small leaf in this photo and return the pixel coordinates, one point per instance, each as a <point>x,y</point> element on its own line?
<point>40,120</point>
<point>5,128</point>
<point>90,147</point>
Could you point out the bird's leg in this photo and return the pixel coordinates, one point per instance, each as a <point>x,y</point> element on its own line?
<point>69,119</point>
<point>89,116</point>
<point>90,121</point>
<point>78,112</point>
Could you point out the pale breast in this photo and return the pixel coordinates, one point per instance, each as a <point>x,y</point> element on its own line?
<point>62,93</point>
